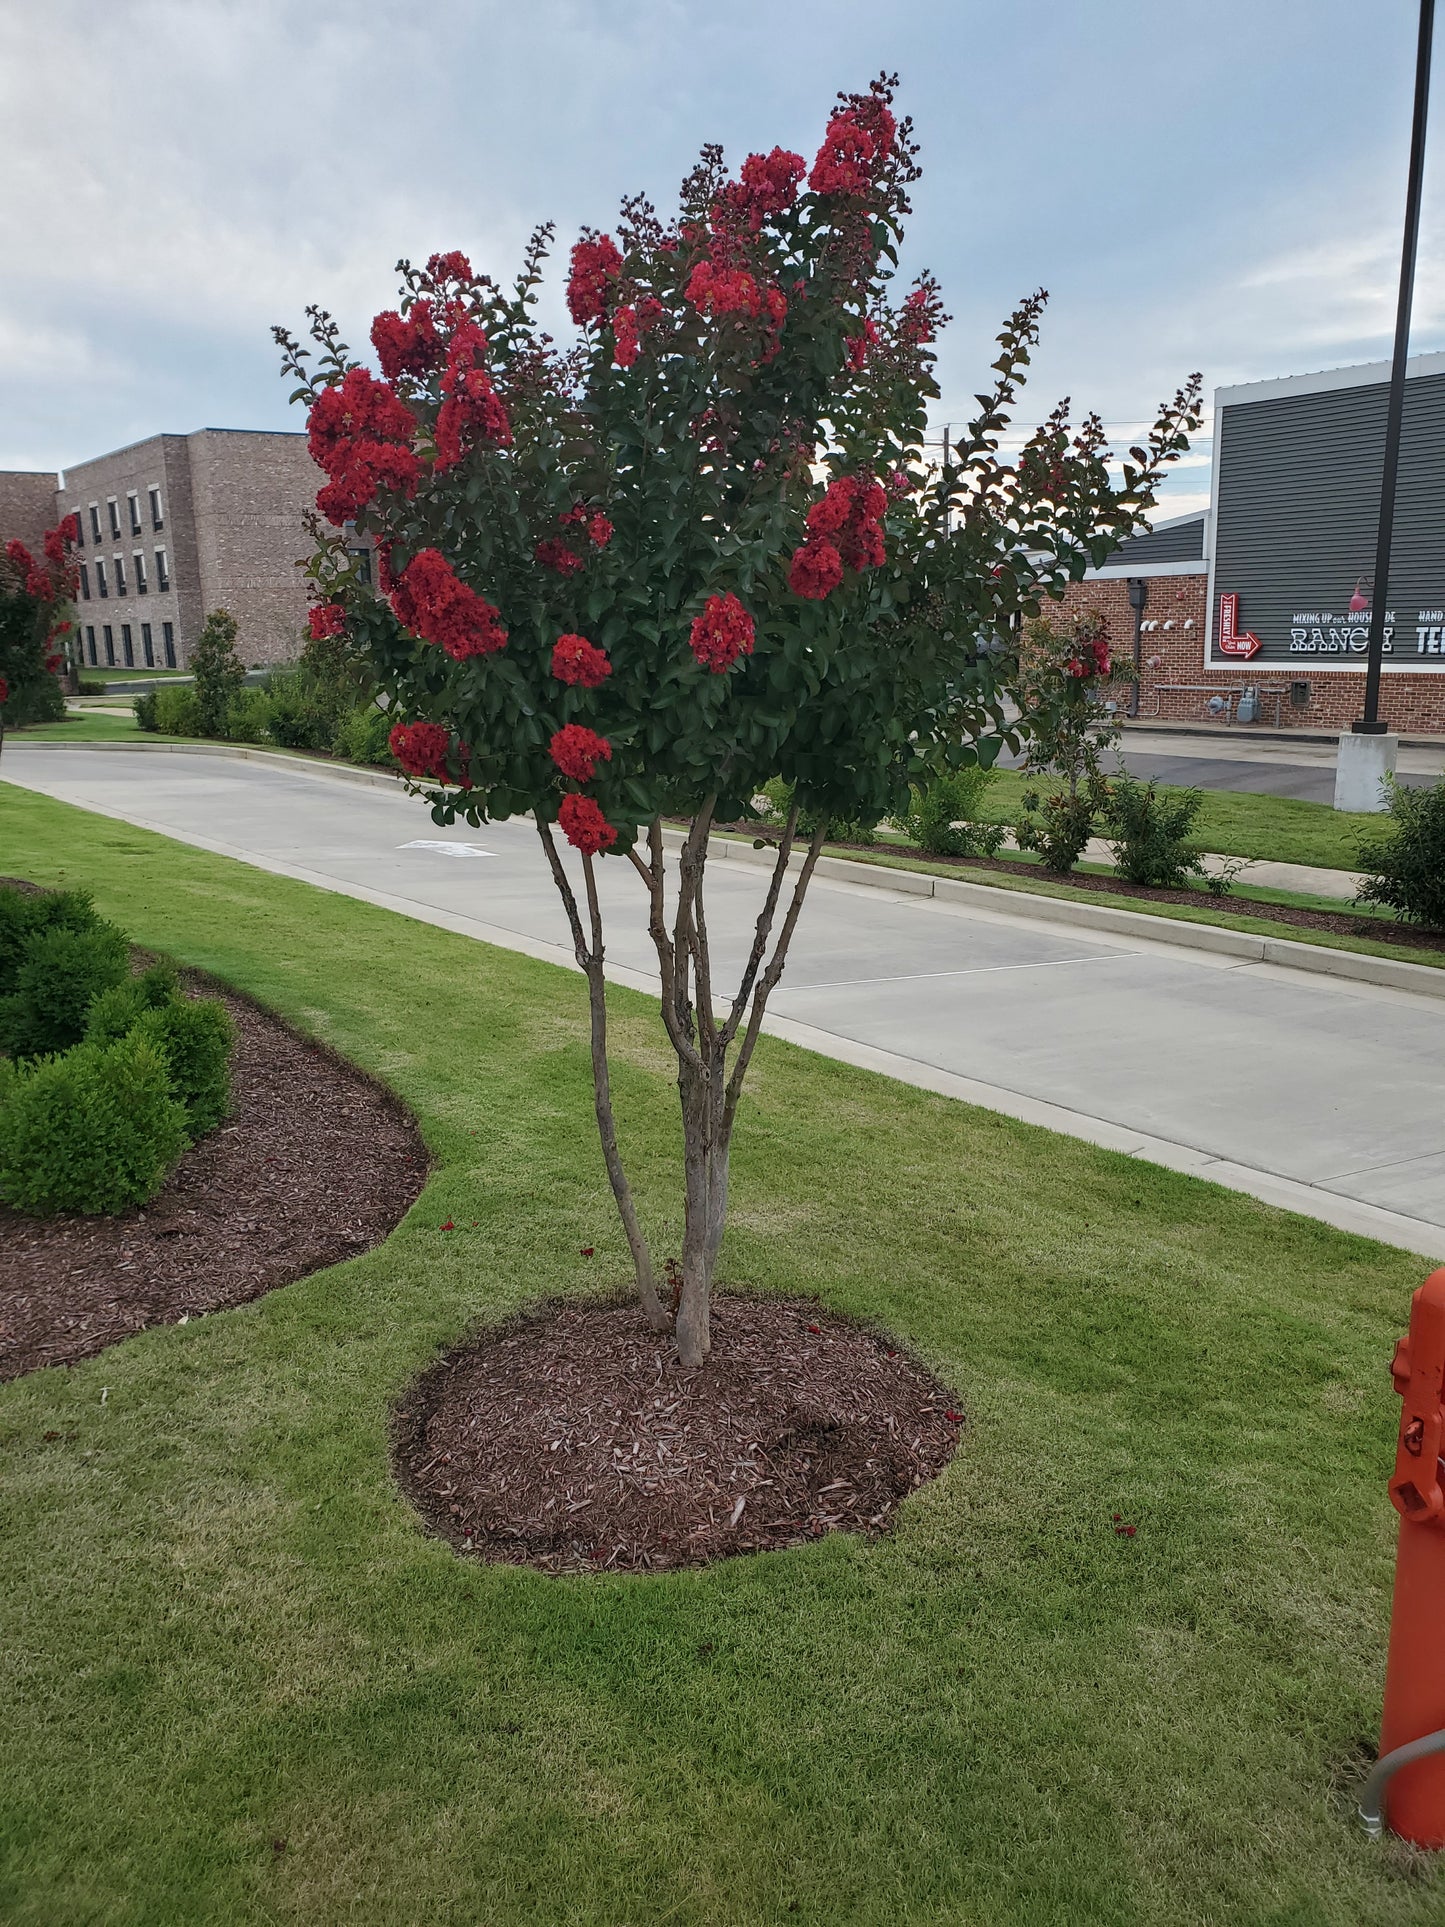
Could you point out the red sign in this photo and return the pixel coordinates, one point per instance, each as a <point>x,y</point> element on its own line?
<point>1234,641</point>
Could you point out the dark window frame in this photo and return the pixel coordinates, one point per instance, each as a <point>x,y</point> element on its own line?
<point>90,643</point>
<point>85,582</point>
<point>120,583</point>
<point>127,644</point>
<point>138,570</point>
<point>108,637</point>
<point>132,502</point>
<point>148,645</point>
<point>113,505</point>
<point>158,514</point>
<point>95,534</point>
<point>102,585</point>
<point>168,633</point>
<point>163,572</point>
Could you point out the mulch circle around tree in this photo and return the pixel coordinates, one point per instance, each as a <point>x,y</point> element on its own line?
<point>316,1163</point>
<point>572,1440</point>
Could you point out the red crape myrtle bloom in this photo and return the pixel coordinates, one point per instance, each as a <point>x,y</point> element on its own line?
<point>817,569</point>
<point>408,344</point>
<point>596,265</point>
<point>768,184</point>
<point>584,825</point>
<point>422,749</point>
<point>626,337</point>
<point>471,408</point>
<point>717,291</point>
<point>553,553</point>
<point>325,619</point>
<point>577,750</point>
<point>857,142</point>
<point>433,603</point>
<point>4,692</point>
<point>576,660</point>
<point>599,531</point>
<point>58,539</point>
<point>723,632</point>
<point>453,266</point>
<point>361,435</point>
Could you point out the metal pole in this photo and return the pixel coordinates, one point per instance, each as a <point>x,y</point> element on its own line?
<point>1370,724</point>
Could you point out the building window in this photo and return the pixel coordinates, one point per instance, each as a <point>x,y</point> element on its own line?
<point>362,559</point>
<point>148,648</point>
<point>114,507</point>
<point>127,646</point>
<point>163,571</point>
<point>132,502</point>
<point>168,633</point>
<point>158,521</point>
<point>95,521</point>
<point>90,642</point>
<point>108,635</point>
<point>79,527</point>
<point>85,582</point>
<point>119,574</point>
<point>138,563</point>
<point>100,581</point>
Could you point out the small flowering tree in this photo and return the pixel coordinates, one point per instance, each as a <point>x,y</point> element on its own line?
<point>1063,684</point>
<point>35,597</point>
<point>633,579</point>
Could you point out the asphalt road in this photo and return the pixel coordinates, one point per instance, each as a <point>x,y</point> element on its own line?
<point>1320,1094</point>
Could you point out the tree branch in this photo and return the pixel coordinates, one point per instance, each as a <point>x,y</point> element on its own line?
<point>769,980</point>
<point>764,930</point>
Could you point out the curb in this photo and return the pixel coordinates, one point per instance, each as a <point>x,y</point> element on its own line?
<point>1348,966</point>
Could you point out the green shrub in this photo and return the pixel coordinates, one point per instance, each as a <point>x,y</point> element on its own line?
<point>1057,827</point>
<point>195,1039</point>
<point>96,1130</point>
<point>145,709</point>
<point>944,812</point>
<point>60,973</point>
<point>24,912</point>
<point>1150,830</point>
<point>301,717</point>
<point>219,672</point>
<point>90,686</point>
<point>840,830</point>
<point>249,718</point>
<point>39,699</point>
<point>362,737</point>
<point>1405,869</point>
<point>177,711</point>
<point>119,1009</point>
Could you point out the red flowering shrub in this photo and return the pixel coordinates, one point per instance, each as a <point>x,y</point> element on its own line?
<point>577,750</point>
<point>723,632</point>
<point>422,749</point>
<point>584,825</point>
<point>325,619</point>
<point>562,546</point>
<point>596,264</point>
<point>575,660</point>
<point>434,603</point>
<point>35,594</point>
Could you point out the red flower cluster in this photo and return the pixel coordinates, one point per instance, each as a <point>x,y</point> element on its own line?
<point>430,600</point>
<point>325,619</point>
<point>471,408</point>
<point>408,344</point>
<point>845,527</point>
<point>453,266</point>
<point>4,692</point>
<point>626,337</point>
<point>713,290</point>
<point>577,750</point>
<point>816,570</point>
<point>723,632</point>
<point>58,539</point>
<point>576,660</point>
<point>584,825</point>
<point>856,347</point>
<point>768,185</point>
<point>553,553</point>
<point>422,749</point>
<point>361,435</point>
<point>919,321</point>
<point>36,578</point>
<point>596,264</point>
<point>1094,660</point>
<point>852,152</point>
<point>599,529</point>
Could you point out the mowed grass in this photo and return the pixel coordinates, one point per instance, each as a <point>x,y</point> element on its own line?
<point>244,1685</point>
<point>92,726</point>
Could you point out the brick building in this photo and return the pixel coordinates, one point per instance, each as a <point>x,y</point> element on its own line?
<point>173,527</point>
<point>1263,599</point>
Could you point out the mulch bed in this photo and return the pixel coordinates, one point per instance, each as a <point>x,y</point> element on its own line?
<point>315,1164</point>
<point>1340,923</point>
<point>572,1440</point>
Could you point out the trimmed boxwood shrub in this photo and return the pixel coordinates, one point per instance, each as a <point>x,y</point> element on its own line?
<point>195,1040</point>
<point>61,972</point>
<point>23,912</point>
<point>96,1130</point>
<point>177,712</point>
<point>120,1008</point>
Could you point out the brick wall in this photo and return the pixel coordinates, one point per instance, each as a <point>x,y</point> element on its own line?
<point>1413,705</point>
<point>251,491</point>
<point>125,474</point>
<point>27,507</point>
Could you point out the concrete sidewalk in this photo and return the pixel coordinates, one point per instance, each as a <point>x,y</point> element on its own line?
<point>1313,1092</point>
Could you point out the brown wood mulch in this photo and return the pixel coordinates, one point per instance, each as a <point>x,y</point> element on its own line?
<point>315,1164</point>
<point>572,1440</point>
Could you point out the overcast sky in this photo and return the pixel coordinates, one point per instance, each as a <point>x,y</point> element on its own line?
<point>1213,184</point>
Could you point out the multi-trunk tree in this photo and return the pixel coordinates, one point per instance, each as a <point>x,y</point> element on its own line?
<point>35,597</point>
<point>623,584</point>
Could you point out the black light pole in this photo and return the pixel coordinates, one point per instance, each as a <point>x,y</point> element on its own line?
<point>1138,596</point>
<point>1370,724</point>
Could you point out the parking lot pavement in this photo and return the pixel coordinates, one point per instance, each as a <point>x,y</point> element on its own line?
<point>1323,1094</point>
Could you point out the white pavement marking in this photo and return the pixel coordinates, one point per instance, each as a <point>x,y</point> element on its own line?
<point>971,970</point>
<point>444,849</point>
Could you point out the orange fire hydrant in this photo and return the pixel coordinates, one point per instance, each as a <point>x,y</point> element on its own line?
<point>1413,1784</point>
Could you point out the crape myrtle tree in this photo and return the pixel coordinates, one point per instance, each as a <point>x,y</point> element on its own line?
<point>624,583</point>
<point>36,593</point>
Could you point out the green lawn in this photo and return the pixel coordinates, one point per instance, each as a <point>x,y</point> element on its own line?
<point>1275,829</point>
<point>245,1686</point>
<point>96,726</point>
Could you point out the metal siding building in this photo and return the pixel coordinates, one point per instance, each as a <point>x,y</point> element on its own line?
<point>1297,469</point>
